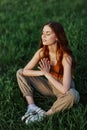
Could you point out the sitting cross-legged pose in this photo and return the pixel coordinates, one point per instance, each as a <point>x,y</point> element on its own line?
<point>53,77</point>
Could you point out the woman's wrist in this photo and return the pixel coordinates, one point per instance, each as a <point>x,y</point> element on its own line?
<point>41,73</point>
<point>47,75</point>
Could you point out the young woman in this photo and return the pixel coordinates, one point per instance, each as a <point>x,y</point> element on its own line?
<point>54,75</point>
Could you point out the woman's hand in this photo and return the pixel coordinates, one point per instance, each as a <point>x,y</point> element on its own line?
<point>44,66</point>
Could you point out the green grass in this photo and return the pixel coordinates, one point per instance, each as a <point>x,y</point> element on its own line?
<point>20,28</point>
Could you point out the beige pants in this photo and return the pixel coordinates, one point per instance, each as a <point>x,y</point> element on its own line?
<point>40,83</point>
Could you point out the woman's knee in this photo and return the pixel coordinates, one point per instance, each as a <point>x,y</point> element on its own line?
<point>19,72</point>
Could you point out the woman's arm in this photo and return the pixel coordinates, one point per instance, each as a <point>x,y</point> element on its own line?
<point>64,87</point>
<point>28,69</point>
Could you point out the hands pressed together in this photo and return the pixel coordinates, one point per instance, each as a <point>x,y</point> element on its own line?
<point>44,66</point>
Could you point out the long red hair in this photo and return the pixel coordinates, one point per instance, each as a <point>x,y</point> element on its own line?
<point>62,45</point>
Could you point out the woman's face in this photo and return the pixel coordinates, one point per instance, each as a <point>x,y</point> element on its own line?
<point>48,36</point>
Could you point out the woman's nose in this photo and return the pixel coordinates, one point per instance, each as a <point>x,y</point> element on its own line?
<point>44,36</point>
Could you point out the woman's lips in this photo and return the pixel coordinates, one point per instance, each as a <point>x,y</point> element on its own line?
<point>44,40</point>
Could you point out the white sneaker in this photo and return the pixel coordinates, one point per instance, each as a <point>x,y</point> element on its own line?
<point>36,115</point>
<point>26,115</point>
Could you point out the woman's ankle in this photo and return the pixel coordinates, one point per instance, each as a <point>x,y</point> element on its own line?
<point>49,112</point>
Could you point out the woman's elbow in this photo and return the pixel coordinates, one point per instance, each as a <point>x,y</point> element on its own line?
<point>64,91</point>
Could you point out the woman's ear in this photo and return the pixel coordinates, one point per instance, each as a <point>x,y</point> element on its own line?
<point>56,39</point>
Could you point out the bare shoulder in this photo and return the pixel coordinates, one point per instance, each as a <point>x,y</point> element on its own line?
<point>40,52</point>
<point>67,59</point>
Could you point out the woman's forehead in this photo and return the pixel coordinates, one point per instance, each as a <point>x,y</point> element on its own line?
<point>47,28</point>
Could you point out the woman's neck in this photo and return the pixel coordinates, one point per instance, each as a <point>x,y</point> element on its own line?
<point>53,54</point>
<point>52,48</point>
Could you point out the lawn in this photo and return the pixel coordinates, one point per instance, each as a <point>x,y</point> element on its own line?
<point>20,28</point>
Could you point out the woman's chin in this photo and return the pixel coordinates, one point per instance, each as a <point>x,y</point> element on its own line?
<point>44,43</point>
